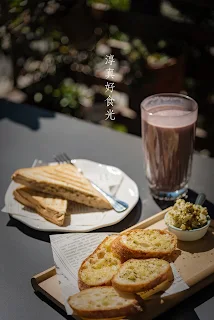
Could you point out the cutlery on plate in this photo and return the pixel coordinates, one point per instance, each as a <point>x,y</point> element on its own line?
<point>117,205</point>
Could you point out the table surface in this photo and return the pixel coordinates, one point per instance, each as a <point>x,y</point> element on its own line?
<point>28,133</point>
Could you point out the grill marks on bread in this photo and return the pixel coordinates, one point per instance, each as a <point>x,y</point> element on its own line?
<point>63,180</point>
<point>51,208</point>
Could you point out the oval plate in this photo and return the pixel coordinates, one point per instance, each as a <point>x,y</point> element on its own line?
<point>84,219</point>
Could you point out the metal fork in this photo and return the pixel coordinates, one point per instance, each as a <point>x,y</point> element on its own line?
<point>118,205</point>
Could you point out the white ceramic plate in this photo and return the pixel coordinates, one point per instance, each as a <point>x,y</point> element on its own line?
<point>127,191</point>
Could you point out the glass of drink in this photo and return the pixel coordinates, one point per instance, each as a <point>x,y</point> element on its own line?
<point>168,132</point>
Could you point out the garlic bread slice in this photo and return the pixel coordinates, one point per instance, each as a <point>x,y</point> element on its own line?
<point>103,302</point>
<point>143,244</point>
<point>137,275</point>
<point>100,267</point>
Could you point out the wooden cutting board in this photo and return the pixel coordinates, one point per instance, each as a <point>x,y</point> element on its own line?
<point>193,260</point>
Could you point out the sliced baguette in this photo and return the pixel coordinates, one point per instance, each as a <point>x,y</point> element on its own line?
<point>103,302</point>
<point>99,268</point>
<point>49,207</point>
<point>152,293</point>
<point>137,275</point>
<point>143,244</point>
<point>64,181</point>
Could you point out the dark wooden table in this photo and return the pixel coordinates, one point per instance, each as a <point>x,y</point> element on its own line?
<point>27,133</point>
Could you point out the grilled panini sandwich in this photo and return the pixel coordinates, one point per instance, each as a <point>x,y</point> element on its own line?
<point>51,208</point>
<point>64,181</point>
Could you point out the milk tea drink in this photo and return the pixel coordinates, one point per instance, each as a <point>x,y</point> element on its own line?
<point>168,133</point>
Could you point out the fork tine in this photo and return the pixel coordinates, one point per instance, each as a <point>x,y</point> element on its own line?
<point>67,157</point>
<point>64,158</point>
<point>59,158</point>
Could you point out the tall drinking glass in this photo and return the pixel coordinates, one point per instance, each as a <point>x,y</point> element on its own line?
<point>168,132</point>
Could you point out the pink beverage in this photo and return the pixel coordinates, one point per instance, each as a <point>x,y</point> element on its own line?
<point>168,131</point>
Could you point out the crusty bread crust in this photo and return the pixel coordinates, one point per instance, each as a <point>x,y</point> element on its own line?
<point>46,212</point>
<point>151,282</point>
<point>127,309</point>
<point>43,179</point>
<point>126,253</point>
<point>83,284</point>
<point>132,309</point>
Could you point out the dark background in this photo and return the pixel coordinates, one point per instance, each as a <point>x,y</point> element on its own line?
<point>53,55</point>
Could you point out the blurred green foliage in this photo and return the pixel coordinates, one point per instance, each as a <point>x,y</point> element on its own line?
<point>122,5</point>
<point>119,127</point>
<point>69,94</point>
<point>43,55</point>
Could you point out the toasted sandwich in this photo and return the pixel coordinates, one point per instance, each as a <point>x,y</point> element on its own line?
<point>63,181</point>
<point>136,275</point>
<point>49,207</point>
<point>144,244</point>
<point>100,267</point>
<point>103,302</point>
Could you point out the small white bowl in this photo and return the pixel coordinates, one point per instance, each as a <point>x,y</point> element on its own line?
<point>188,235</point>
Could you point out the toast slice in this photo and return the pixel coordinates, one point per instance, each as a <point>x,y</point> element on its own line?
<point>103,302</point>
<point>143,244</point>
<point>51,208</point>
<point>100,267</point>
<point>154,292</point>
<point>137,275</point>
<point>64,181</point>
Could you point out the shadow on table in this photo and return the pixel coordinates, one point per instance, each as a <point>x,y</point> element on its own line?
<point>132,218</point>
<point>24,114</point>
<point>185,309</point>
<point>53,305</point>
<point>205,244</point>
<point>191,197</point>
<point>39,235</point>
